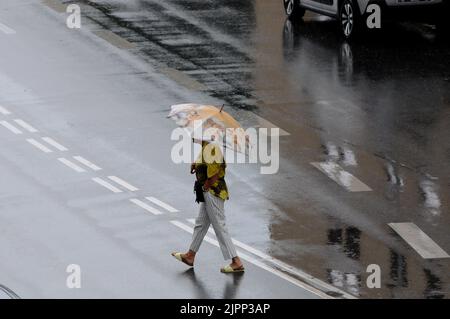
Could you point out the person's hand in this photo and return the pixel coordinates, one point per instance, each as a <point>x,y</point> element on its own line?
<point>210,181</point>
<point>192,168</point>
<point>207,185</point>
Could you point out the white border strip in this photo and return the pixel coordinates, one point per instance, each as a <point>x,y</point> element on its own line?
<point>162,204</point>
<point>260,264</point>
<point>143,205</point>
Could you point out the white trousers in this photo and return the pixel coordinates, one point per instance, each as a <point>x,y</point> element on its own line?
<point>212,213</point>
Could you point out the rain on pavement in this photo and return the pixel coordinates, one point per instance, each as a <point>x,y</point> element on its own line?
<point>377,110</point>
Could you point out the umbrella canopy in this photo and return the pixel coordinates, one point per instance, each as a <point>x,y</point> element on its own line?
<point>214,121</point>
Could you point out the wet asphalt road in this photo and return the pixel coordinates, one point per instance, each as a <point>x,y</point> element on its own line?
<point>379,108</point>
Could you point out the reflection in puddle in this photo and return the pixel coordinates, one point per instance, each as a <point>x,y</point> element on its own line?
<point>347,281</point>
<point>398,272</point>
<point>348,157</point>
<point>341,154</point>
<point>434,286</point>
<point>431,198</point>
<point>349,238</point>
<point>395,181</point>
<point>393,175</point>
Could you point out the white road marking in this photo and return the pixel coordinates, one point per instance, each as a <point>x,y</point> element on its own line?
<point>55,144</point>
<point>313,281</point>
<point>73,166</point>
<point>183,79</point>
<point>5,29</point>
<point>11,127</point>
<point>38,145</point>
<point>162,204</point>
<point>106,185</point>
<point>4,111</point>
<point>26,126</point>
<point>145,206</point>
<point>342,177</point>
<point>418,240</point>
<point>259,264</point>
<point>55,5</point>
<point>263,123</point>
<point>123,183</point>
<point>87,163</point>
<point>114,39</point>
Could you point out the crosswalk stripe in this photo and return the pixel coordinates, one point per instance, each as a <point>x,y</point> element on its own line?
<point>419,240</point>
<point>342,177</point>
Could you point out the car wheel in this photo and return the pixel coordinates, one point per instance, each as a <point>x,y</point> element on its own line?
<point>293,9</point>
<point>349,19</point>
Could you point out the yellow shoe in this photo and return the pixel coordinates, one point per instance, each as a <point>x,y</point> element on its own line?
<point>228,269</point>
<point>179,257</point>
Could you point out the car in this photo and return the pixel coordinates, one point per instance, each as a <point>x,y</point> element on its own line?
<point>352,14</point>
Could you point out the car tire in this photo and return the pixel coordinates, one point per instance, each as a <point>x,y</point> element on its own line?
<point>293,9</point>
<point>349,19</point>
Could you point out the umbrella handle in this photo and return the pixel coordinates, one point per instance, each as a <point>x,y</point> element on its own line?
<point>221,108</point>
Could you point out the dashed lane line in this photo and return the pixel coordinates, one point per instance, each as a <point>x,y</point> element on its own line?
<point>123,183</point>
<point>87,163</point>
<point>145,206</point>
<point>341,177</point>
<point>4,111</point>
<point>5,29</point>
<point>55,144</point>
<point>39,146</point>
<point>107,185</point>
<point>315,282</point>
<point>10,127</point>
<point>259,264</point>
<point>26,126</point>
<point>419,240</point>
<point>162,204</point>
<point>73,166</point>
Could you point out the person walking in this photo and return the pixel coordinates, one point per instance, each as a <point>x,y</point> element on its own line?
<point>212,192</point>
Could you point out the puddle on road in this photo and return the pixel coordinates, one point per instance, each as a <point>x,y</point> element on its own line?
<point>322,92</point>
